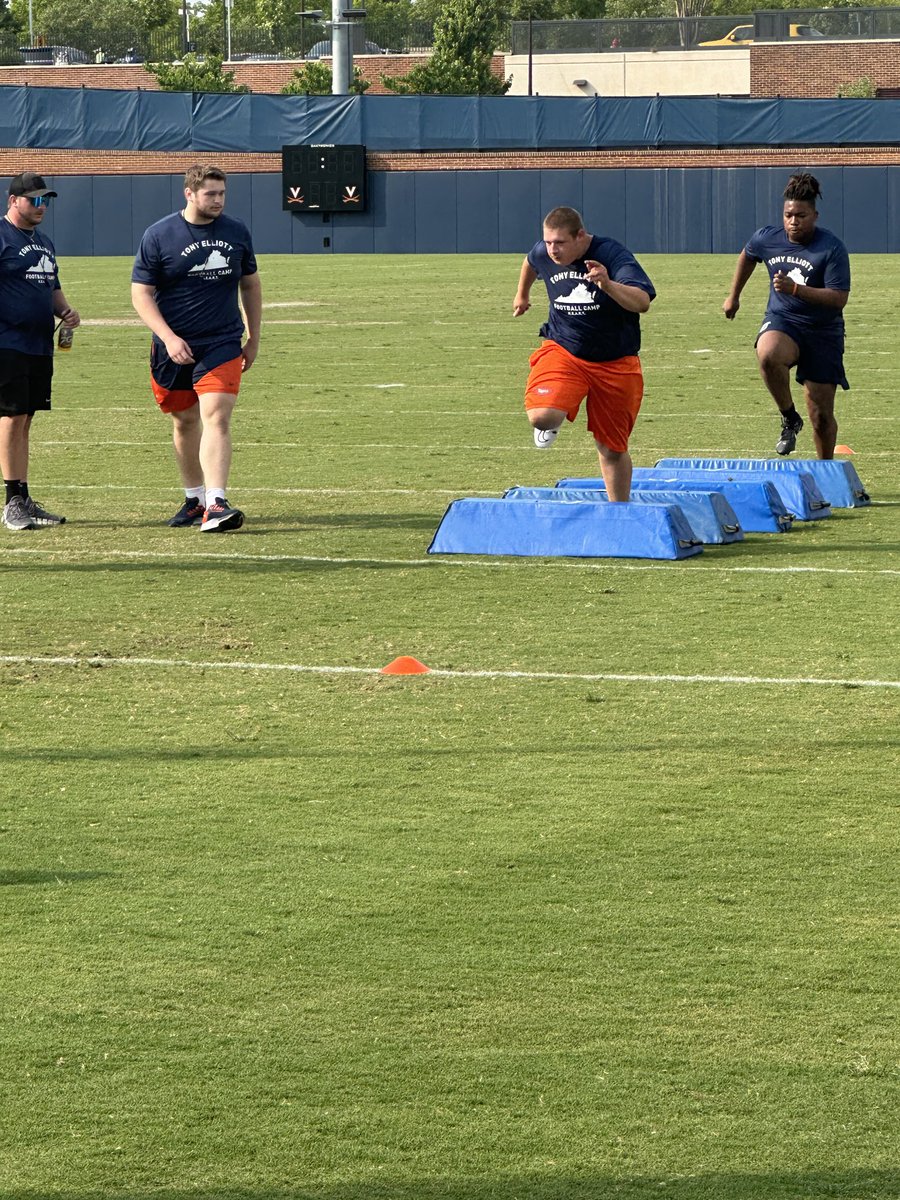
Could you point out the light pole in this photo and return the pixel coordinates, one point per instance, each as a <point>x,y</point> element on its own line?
<point>314,14</point>
<point>228,4</point>
<point>342,22</point>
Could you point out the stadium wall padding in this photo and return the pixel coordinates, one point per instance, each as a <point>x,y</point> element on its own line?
<point>654,211</point>
<point>208,123</point>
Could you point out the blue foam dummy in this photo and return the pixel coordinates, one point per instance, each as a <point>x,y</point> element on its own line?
<point>837,480</point>
<point>758,505</point>
<point>798,489</point>
<point>709,514</point>
<point>580,529</point>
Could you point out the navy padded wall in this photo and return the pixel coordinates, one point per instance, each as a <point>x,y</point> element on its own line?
<point>110,214</point>
<point>309,233</point>
<point>354,232</point>
<point>645,209</point>
<point>832,210</point>
<point>560,187</point>
<point>733,208</point>
<point>393,193</point>
<point>864,196</point>
<point>520,210</point>
<point>435,212</point>
<point>603,201</point>
<point>893,203</point>
<point>271,226</point>
<point>477,212</point>
<point>151,200</point>
<point>444,212</point>
<point>688,215</point>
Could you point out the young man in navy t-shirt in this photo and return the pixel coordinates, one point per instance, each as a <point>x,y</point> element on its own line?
<point>597,291</point>
<point>30,300</point>
<point>188,274</point>
<point>803,326</point>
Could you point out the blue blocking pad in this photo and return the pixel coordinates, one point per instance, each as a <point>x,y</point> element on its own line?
<point>758,505</point>
<point>580,529</point>
<point>837,480</point>
<point>797,489</point>
<point>709,514</point>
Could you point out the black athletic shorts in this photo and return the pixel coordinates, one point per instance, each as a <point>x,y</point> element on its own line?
<point>24,382</point>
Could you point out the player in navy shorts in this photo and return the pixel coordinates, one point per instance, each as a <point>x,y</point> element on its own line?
<point>803,326</point>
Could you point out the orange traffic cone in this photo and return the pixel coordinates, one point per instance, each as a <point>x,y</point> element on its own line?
<point>405,665</point>
<point>842,450</point>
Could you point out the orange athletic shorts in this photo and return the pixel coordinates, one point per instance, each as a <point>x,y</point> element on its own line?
<point>614,391</point>
<point>225,378</point>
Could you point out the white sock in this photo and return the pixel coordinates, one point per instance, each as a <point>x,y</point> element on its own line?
<point>197,493</point>
<point>213,494</point>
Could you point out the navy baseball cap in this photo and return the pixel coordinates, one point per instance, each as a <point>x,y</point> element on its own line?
<point>29,184</point>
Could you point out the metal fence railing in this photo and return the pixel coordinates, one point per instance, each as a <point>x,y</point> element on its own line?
<point>83,42</point>
<point>80,40</point>
<point>658,33</point>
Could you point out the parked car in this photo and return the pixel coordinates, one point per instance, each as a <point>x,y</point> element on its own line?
<point>742,35</point>
<point>806,31</point>
<point>323,49</point>
<point>55,56</point>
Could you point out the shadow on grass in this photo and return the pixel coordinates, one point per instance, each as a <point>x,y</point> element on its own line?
<point>24,877</point>
<point>808,1185</point>
<point>294,563</point>
<point>217,753</point>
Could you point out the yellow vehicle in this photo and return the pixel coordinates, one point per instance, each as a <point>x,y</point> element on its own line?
<point>742,35</point>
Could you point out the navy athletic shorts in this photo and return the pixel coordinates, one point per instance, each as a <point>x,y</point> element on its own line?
<point>821,357</point>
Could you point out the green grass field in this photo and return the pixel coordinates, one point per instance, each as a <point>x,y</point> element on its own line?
<point>278,927</point>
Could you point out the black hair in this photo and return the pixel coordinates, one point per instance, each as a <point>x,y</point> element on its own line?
<point>803,187</point>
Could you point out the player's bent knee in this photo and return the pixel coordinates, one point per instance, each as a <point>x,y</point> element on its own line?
<point>546,418</point>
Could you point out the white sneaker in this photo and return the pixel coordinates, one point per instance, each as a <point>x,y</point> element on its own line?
<point>544,438</point>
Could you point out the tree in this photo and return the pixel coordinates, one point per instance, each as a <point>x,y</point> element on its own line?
<point>465,36</point>
<point>315,78</point>
<point>195,74</point>
<point>8,23</point>
<point>74,22</point>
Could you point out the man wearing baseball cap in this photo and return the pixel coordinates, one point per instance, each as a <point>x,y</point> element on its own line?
<point>30,301</point>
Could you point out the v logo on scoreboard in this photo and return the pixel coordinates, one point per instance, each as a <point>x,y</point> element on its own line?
<point>351,194</point>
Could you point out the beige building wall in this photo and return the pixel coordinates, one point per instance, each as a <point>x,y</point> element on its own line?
<point>724,72</point>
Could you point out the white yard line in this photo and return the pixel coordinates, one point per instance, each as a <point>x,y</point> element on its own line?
<point>300,669</point>
<point>439,560</point>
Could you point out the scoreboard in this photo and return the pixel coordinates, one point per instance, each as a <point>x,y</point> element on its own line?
<point>323,178</point>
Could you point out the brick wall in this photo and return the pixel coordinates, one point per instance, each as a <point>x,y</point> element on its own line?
<point>815,70</point>
<point>265,77</point>
<point>109,162</point>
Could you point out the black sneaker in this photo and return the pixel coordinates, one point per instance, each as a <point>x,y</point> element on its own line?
<point>790,427</point>
<point>220,517</point>
<point>190,513</point>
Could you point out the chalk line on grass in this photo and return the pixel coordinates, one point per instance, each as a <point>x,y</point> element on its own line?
<point>575,676</point>
<point>572,564</point>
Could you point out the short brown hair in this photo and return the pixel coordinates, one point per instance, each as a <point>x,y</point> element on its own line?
<point>568,219</point>
<point>195,176</point>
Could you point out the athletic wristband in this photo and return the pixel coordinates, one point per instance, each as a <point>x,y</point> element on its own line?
<point>794,292</point>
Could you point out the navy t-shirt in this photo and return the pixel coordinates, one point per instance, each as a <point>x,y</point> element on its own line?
<point>822,262</point>
<point>28,279</point>
<point>196,270</point>
<point>583,319</point>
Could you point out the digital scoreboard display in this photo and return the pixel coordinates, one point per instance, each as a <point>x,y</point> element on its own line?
<point>323,178</point>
